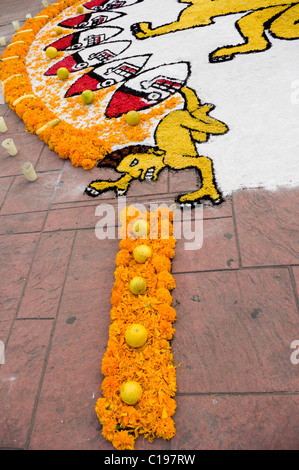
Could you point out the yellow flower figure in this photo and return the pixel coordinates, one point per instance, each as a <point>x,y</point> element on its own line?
<point>152,364</point>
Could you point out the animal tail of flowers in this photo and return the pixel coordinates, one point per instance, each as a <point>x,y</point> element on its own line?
<point>151,365</point>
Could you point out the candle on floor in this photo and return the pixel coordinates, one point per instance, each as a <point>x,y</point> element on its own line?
<point>28,171</point>
<point>16,25</point>
<point>28,16</point>
<point>3,127</point>
<point>9,145</point>
<point>2,41</point>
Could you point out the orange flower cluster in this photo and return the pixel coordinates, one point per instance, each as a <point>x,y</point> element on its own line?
<point>151,365</point>
<point>84,147</point>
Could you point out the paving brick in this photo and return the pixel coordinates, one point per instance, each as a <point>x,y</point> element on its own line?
<point>16,253</point>
<point>234,331</point>
<point>42,295</point>
<point>49,161</point>
<point>25,196</point>
<point>236,423</point>
<point>92,264</point>
<point>20,377</point>
<point>218,250</point>
<point>22,223</point>
<point>71,218</point>
<point>267,224</point>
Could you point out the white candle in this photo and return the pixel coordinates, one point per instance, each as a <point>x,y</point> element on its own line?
<point>45,3</point>
<point>16,25</point>
<point>3,127</point>
<point>9,145</point>
<point>28,16</point>
<point>28,171</point>
<point>3,41</point>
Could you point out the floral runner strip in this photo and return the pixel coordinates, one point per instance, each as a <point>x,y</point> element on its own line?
<point>151,365</point>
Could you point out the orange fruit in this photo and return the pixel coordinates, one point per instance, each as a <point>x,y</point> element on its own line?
<point>141,253</point>
<point>138,285</point>
<point>140,228</point>
<point>130,392</point>
<point>63,73</point>
<point>87,96</point>
<point>133,118</point>
<point>136,335</point>
<point>51,52</point>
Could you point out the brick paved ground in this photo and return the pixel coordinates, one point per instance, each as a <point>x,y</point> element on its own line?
<point>236,299</point>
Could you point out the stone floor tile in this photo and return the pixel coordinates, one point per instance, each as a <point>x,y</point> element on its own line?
<point>236,423</point>
<point>25,196</point>
<point>16,254</point>
<point>234,331</point>
<point>22,223</point>
<point>42,294</point>
<point>91,263</point>
<point>213,246</point>
<point>72,218</point>
<point>268,225</point>
<point>49,161</point>
<point>20,377</point>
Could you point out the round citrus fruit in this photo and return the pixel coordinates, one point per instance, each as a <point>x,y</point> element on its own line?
<point>51,52</point>
<point>133,118</point>
<point>80,9</point>
<point>130,392</point>
<point>138,285</point>
<point>141,253</point>
<point>58,30</point>
<point>136,335</point>
<point>63,73</point>
<point>87,96</point>
<point>140,228</point>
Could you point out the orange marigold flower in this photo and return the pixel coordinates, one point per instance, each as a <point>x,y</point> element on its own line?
<point>110,386</point>
<point>165,279</point>
<point>161,263</point>
<point>164,295</point>
<point>123,258</point>
<point>123,440</point>
<point>166,312</point>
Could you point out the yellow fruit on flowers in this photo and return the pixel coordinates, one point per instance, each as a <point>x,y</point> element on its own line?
<point>133,118</point>
<point>131,392</point>
<point>80,9</point>
<point>63,73</point>
<point>138,285</point>
<point>87,96</point>
<point>141,253</point>
<point>136,335</point>
<point>51,52</point>
<point>58,30</point>
<point>140,228</point>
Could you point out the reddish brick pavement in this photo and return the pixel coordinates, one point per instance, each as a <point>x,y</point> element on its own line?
<point>236,299</point>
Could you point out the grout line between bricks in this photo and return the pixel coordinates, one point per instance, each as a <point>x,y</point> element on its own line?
<point>236,232</point>
<point>293,282</point>
<point>245,268</point>
<point>238,394</point>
